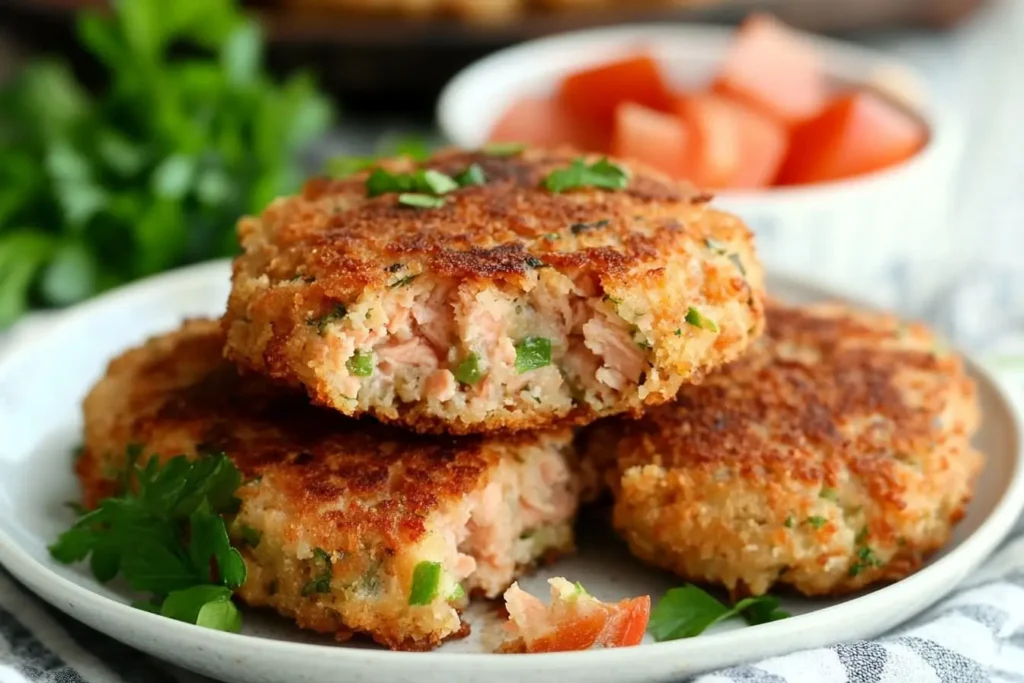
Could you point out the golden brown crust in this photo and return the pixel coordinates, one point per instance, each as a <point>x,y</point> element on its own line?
<point>322,251</point>
<point>839,443</point>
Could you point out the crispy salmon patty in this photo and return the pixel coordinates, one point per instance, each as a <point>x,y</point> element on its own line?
<point>360,527</point>
<point>834,455</point>
<point>509,306</point>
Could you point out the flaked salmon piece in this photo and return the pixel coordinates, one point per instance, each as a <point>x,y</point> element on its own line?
<point>574,620</point>
<point>442,385</point>
<point>623,357</point>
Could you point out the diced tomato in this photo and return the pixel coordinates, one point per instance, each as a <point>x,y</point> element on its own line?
<point>580,631</point>
<point>627,623</point>
<point>771,69</point>
<point>731,144</point>
<point>857,133</point>
<point>542,121</point>
<point>652,137</point>
<point>594,94</point>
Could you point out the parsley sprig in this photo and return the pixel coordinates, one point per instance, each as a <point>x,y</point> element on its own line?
<point>688,611</point>
<point>603,174</point>
<point>165,535</point>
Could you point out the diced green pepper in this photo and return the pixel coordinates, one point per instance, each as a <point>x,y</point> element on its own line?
<point>532,353</point>
<point>468,371</point>
<point>360,364</point>
<point>425,580</point>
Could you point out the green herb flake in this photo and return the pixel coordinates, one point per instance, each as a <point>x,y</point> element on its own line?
<point>360,364</point>
<point>503,149</point>
<point>689,611</point>
<point>532,353</point>
<point>829,494</point>
<point>321,582</point>
<point>601,174</point>
<point>457,593</point>
<point>473,175</point>
<point>789,521</point>
<point>420,201</point>
<point>866,558</point>
<point>402,282</point>
<point>679,332</point>
<point>252,537</point>
<point>534,262</point>
<point>735,258</point>
<point>468,371</point>
<point>697,319</point>
<point>437,182</point>
<point>715,246</point>
<point>816,521</point>
<point>337,313</point>
<point>426,579</point>
<point>578,228</point>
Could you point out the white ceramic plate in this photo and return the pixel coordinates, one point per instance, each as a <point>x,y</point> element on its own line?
<point>43,379</point>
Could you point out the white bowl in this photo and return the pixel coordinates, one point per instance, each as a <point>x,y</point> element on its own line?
<point>875,235</point>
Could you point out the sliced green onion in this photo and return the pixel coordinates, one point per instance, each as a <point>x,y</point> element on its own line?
<point>468,371</point>
<point>695,318</point>
<point>473,175</point>
<point>425,580</point>
<point>439,183</point>
<point>420,201</point>
<point>532,353</point>
<point>360,364</point>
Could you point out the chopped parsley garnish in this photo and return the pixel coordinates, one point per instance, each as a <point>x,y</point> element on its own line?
<point>321,582</point>
<point>679,332</point>
<point>532,353</point>
<point>866,558</point>
<point>252,537</point>
<point>402,282</point>
<point>602,174</point>
<point>829,494</point>
<point>735,258</point>
<point>337,313</point>
<point>715,245</point>
<point>534,262</point>
<point>360,364</point>
<point>789,521</point>
<point>427,181</point>
<point>473,175</point>
<point>697,319</point>
<point>420,201</point>
<point>468,371</point>
<point>165,535</point>
<point>816,521</point>
<point>577,228</point>
<point>689,611</point>
<point>426,579</point>
<point>503,149</point>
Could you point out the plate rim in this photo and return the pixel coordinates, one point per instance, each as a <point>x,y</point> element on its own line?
<point>63,593</point>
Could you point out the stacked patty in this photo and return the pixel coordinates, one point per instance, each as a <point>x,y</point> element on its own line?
<point>345,511</point>
<point>835,454</point>
<point>506,306</point>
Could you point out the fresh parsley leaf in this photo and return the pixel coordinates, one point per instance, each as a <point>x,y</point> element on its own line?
<point>503,149</point>
<point>425,581</point>
<point>468,371</point>
<point>220,615</point>
<point>165,535</point>
<point>689,611</point>
<point>473,175</point>
<point>601,174</point>
<point>420,201</point>
<point>697,319</point>
<point>532,353</point>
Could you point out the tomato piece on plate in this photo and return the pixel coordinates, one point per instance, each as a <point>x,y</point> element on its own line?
<point>770,68</point>
<point>857,133</point>
<point>594,94</point>
<point>732,145</point>
<point>574,620</point>
<point>542,121</point>
<point>652,137</point>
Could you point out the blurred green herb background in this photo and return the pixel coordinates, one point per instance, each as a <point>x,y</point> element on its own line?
<point>151,172</point>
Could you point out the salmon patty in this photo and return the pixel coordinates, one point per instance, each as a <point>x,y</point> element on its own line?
<point>834,455</point>
<point>499,304</point>
<point>359,527</point>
